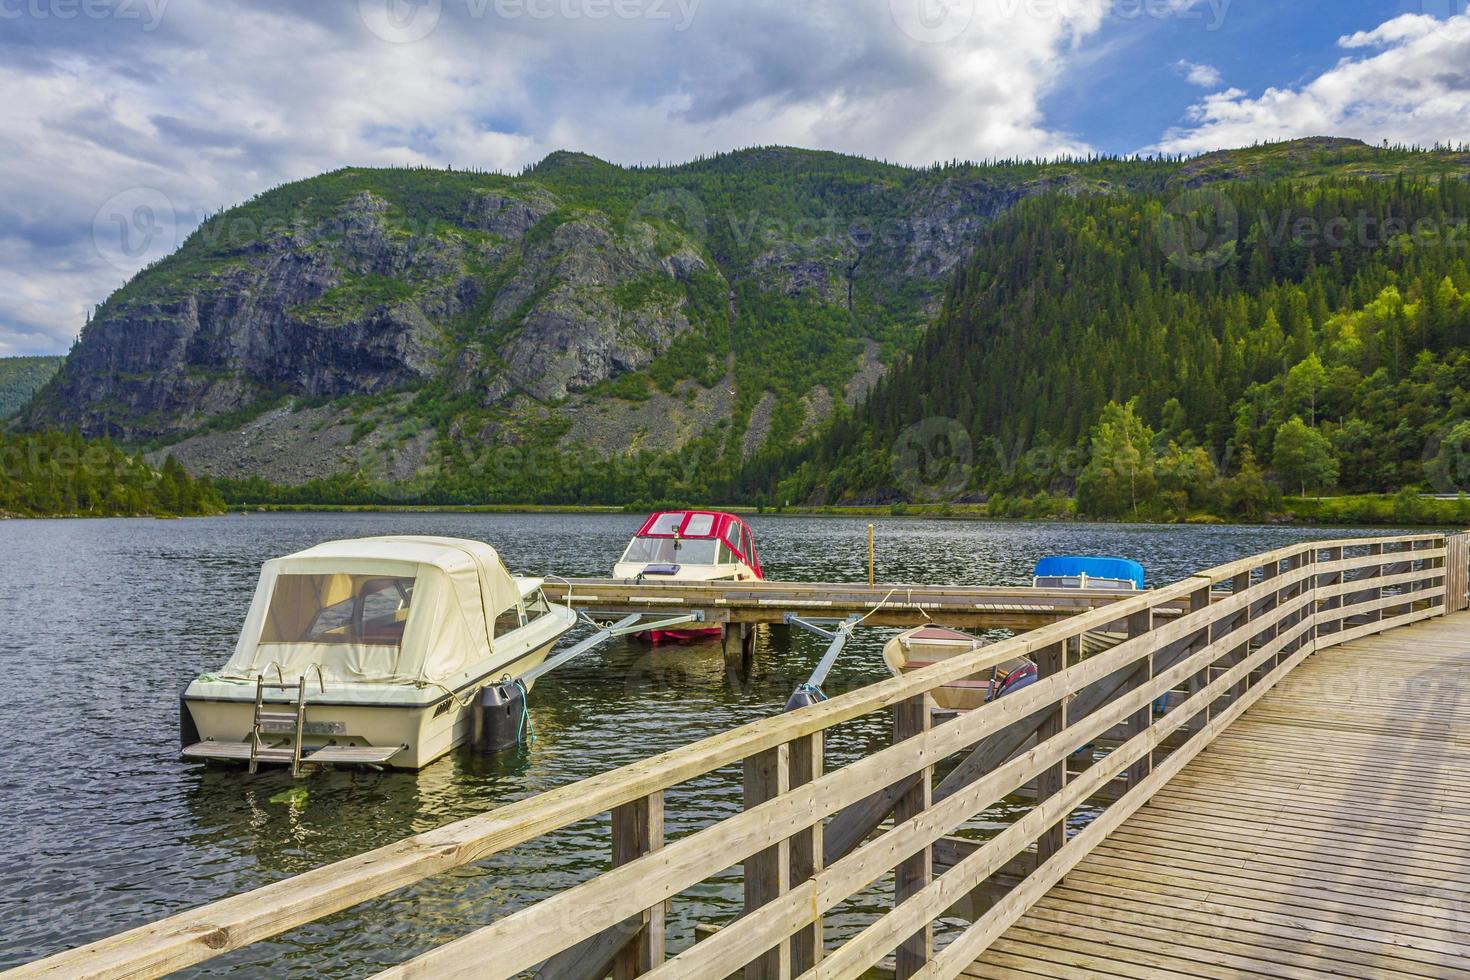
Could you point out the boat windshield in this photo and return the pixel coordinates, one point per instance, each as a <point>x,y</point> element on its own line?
<point>366,609</point>
<point>681,551</point>
<point>1078,582</point>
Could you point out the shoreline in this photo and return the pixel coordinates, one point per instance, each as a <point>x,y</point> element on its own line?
<point>1354,511</point>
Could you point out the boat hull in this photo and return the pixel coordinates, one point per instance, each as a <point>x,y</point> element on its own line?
<point>427,729</point>
<point>680,636</point>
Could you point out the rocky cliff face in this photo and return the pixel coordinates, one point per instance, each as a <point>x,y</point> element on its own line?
<point>490,306</point>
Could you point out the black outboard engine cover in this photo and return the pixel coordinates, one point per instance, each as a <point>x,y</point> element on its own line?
<point>500,717</point>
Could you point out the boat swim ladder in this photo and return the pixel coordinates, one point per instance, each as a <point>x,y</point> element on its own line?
<point>259,751</point>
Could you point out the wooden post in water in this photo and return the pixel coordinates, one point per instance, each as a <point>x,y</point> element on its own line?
<point>912,718</point>
<point>738,643</point>
<point>872,571</point>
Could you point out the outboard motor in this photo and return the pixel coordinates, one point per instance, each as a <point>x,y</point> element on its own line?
<point>499,717</point>
<point>1014,681</point>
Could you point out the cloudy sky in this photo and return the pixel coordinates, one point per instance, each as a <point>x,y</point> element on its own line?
<point>112,109</point>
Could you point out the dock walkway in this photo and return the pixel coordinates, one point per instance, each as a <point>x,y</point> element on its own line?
<point>1324,833</point>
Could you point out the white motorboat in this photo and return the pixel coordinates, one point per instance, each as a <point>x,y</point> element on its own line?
<point>690,546</point>
<point>369,651</point>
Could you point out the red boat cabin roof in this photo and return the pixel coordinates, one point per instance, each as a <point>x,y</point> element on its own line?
<point>689,524</point>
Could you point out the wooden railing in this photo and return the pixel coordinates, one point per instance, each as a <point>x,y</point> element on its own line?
<point>1103,733</point>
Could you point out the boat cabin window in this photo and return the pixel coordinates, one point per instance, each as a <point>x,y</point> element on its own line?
<point>696,551</point>
<point>678,551</point>
<point>366,609</point>
<point>732,535</point>
<point>1083,582</point>
<point>508,621</point>
<point>666,524</point>
<point>650,550</point>
<point>536,606</point>
<point>532,608</point>
<point>727,557</point>
<point>700,525</point>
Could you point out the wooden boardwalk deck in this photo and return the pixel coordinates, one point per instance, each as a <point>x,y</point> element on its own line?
<point>1325,833</point>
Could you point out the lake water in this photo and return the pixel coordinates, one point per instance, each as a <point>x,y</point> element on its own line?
<point>102,623</point>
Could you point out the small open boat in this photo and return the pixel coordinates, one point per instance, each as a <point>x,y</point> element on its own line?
<point>690,546</point>
<point>369,651</point>
<point>1077,572</point>
<point>926,646</point>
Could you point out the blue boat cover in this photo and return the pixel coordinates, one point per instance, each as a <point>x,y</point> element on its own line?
<point>1065,566</point>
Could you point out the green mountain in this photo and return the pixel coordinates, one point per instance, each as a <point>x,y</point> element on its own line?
<point>584,332</point>
<point>382,326</point>
<point>1248,315</point>
<point>22,377</point>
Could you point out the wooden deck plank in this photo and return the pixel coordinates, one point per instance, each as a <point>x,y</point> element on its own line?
<point>1324,834</point>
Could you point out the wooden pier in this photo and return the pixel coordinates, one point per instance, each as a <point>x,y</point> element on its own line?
<point>1270,769</point>
<point>1323,834</point>
<point>738,607</point>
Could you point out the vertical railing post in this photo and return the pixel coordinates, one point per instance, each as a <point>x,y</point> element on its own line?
<point>1200,599</point>
<point>1049,661</point>
<point>1327,622</point>
<point>768,874</point>
<point>1239,585</point>
<point>1372,595</point>
<point>910,719</point>
<point>638,829</point>
<point>1269,631</point>
<point>806,851</point>
<point>1138,624</point>
<point>1391,569</point>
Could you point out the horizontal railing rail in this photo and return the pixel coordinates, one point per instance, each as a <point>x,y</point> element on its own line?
<point>1102,732</point>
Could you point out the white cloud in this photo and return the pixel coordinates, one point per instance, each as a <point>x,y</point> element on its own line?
<point>229,97</point>
<point>1408,27</point>
<point>1413,88</point>
<point>1205,76</point>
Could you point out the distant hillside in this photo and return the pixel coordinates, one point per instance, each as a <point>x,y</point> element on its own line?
<point>22,377</point>
<point>388,325</point>
<point>586,332</point>
<point>1316,328</point>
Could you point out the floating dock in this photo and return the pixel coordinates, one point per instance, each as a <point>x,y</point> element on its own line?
<point>1270,764</point>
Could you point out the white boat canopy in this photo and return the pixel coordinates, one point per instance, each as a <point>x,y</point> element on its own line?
<point>377,610</point>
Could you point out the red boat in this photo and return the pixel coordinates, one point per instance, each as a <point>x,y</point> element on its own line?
<point>690,546</point>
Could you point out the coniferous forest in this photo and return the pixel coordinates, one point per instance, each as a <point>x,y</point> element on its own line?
<point>1160,355</point>
<point>60,473</point>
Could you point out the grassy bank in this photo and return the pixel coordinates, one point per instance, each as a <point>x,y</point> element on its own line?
<point>1407,509</point>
